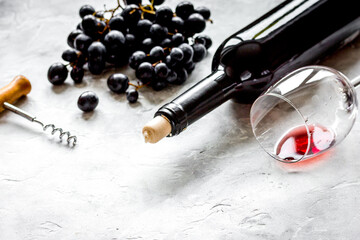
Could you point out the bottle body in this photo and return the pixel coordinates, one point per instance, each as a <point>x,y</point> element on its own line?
<point>293,34</point>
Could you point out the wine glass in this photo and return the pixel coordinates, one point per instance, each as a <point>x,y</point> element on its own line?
<point>305,113</point>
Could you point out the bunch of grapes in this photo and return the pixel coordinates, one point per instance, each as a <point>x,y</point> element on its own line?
<point>157,43</point>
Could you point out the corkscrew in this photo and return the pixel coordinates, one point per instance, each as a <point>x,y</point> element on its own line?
<point>19,87</point>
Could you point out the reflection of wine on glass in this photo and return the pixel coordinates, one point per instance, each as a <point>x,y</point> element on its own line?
<point>304,114</point>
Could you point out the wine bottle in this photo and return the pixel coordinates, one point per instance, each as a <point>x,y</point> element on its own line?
<point>293,34</point>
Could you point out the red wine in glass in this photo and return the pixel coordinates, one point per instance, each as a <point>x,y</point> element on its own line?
<point>295,143</point>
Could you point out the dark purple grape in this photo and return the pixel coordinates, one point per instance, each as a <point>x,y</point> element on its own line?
<point>132,95</point>
<point>136,59</point>
<point>86,10</point>
<point>118,82</point>
<point>158,2</point>
<point>166,43</point>
<point>172,76</point>
<point>176,25</point>
<point>164,15</point>
<point>145,72</point>
<point>131,14</point>
<point>188,52</point>
<point>204,40</point>
<point>199,52</point>
<point>117,23</point>
<point>184,9</point>
<point>171,63</point>
<point>77,74</point>
<point>158,85</point>
<point>101,27</point>
<point>114,41</point>
<point>57,73</point>
<point>203,11</point>
<point>88,101</point>
<point>189,67</point>
<point>96,68</point>
<point>176,54</point>
<point>147,44</point>
<point>130,42</point>
<point>195,23</point>
<point>82,42</point>
<point>99,15</point>
<point>158,32</point>
<point>156,54</point>
<point>177,39</point>
<point>72,36</point>
<point>69,55</point>
<point>143,28</point>
<point>182,75</point>
<point>161,71</point>
<point>89,25</point>
<point>97,52</point>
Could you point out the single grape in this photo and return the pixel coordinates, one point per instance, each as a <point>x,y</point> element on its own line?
<point>130,42</point>
<point>195,23</point>
<point>171,63</point>
<point>143,28</point>
<point>176,25</point>
<point>131,14</point>
<point>118,82</point>
<point>96,68</point>
<point>177,39</point>
<point>72,36</point>
<point>147,44</point>
<point>189,67</point>
<point>136,59</point>
<point>161,70</point>
<point>99,15</point>
<point>182,75</point>
<point>164,15</point>
<point>57,73</point>
<point>82,42</point>
<point>132,95</point>
<point>101,25</point>
<point>114,41</point>
<point>199,52</point>
<point>176,54</point>
<point>97,52</point>
<point>88,101</point>
<point>86,10</point>
<point>184,9</point>
<point>156,54</point>
<point>204,40</point>
<point>188,52</point>
<point>77,74</point>
<point>158,85</point>
<point>172,76</point>
<point>158,2</point>
<point>166,43</point>
<point>117,23</point>
<point>203,11</point>
<point>89,24</point>
<point>69,55</point>
<point>145,72</point>
<point>158,32</point>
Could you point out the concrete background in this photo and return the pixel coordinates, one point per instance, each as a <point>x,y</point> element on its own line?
<point>211,182</point>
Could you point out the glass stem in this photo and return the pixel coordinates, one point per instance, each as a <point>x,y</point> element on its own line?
<point>356,81</point>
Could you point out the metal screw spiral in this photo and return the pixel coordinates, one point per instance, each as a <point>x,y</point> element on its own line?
<point>54,129</point>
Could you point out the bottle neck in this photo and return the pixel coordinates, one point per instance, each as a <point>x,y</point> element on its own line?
<point>199,100</point>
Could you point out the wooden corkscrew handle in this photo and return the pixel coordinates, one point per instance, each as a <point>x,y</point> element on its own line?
<point>18,87</point>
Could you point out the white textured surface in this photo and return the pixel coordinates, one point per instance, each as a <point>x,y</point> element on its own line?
<point>211,182</point>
